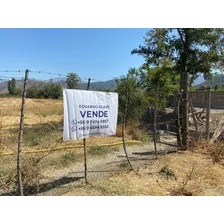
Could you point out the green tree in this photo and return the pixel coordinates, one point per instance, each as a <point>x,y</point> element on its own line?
<point>73,81</point>
<point>192,52</point>
<point>216,87</point>
<point>32,92</point>
<point>48,90</point>
<point>130,95</point>
<point>57,91</point>
<point>164,78</point>
<point>12,87</point>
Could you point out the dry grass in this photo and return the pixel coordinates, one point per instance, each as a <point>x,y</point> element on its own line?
<point>43,125</point>
<point>195,175</point>
<point>119,131</point>
<point>197,172</point>
<point>215,151</point>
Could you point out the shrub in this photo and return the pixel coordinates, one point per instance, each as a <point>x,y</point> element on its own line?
<point>167,173</point>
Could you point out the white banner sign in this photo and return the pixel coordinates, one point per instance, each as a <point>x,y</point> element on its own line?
<point>89,113</point>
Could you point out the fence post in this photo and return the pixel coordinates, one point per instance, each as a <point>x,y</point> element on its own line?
<point>179,135</point>
<point>208,108</point>
<point>19,169</point>
<point>84,145</point>
<point>123,126</point>
<point>154,124</point>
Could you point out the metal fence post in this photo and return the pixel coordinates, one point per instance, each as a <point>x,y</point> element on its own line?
<point>19,169</point>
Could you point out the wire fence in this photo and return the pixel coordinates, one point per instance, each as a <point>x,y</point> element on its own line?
<point>206,111</point>
<point>146,128</point>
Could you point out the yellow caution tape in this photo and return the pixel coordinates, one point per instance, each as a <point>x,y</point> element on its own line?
<point>63,148</point>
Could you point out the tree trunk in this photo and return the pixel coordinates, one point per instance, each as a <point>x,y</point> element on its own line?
<point>184,110</point>
<point>184,35</point>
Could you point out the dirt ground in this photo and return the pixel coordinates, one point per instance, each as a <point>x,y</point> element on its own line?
<point>199,177</point>
<point>185,173</point>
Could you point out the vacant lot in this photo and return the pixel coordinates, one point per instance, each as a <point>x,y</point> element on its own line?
<point>60,172</point>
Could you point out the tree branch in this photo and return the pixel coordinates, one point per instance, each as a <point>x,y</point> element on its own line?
<point>181,36</point>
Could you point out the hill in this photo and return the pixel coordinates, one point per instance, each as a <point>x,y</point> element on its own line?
<point>216,80</point>
<point>110,84</point>
<point>19,84</point>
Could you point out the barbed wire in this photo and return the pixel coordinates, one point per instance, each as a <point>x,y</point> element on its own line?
<point>84,79</point>
<point>7,77</point>
<point>12,71</point>
<point>48,73</point>
<point>62,75</point>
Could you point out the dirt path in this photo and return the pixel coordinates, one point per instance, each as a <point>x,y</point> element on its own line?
<point>100,167</point>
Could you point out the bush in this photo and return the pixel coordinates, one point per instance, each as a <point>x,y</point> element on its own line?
<point>47,91</point>
<point>167,173</point>
<point>32,92</point>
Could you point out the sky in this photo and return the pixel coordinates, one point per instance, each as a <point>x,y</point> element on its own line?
<point>100,54</point>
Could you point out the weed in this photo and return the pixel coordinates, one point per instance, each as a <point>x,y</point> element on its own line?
<point>181,190</point>
<point>31,175</point>
<point>99,150</point>
<point>7,180</point>
<point>62,160</point>
<point>167,173</point>
<point>139,135</point>
<point>96,150</point>
<point>124,165</point>
<point>40,134</point>
<point>68,157</point>
<point>217,153</point>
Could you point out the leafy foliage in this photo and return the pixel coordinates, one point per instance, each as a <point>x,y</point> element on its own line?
<point>182,52</point>
<point>12,87</point>
<point>47,91</point>
<point>193,51</point>
<point>130,95</point>
<point>73,81</point>
<point>167,173</point>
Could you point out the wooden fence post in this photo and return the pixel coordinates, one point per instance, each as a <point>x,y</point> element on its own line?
<point>155,124</point>
<point>179,135</point>
<point>208,108</point>
<point>19,169</point>
<point>123,126</point>
<point>84,145</point>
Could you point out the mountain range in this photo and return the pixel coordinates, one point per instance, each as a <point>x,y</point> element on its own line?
<point>110,84</point>
<point>215,81</point>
